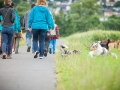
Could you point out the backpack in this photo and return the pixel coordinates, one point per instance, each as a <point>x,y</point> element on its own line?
<point>53,31</point>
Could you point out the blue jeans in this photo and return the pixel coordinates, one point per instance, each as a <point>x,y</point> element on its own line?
<point>28,39</point>
<point>7,35</point>
<point>53,45</point>
<point>39,35</point>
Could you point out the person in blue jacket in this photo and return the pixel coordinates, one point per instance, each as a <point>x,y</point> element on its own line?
<point>1,20</point>
<point>17,30</point>
<point>40,21</point>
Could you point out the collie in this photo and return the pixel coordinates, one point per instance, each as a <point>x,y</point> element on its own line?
<point>96,49</point>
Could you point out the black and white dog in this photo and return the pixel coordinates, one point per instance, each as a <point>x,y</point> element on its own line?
<point>105,44</point>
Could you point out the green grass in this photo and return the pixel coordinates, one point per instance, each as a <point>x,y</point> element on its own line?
<point>81,72</point>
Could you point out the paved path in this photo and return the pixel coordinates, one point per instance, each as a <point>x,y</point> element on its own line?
<point>23,72</point>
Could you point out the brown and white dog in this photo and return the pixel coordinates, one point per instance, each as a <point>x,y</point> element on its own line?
<point>96,50</point>
<point>118,44</point>
<point>112,45</point>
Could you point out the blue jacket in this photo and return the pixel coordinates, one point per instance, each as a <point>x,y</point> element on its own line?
<point>41,18</point>
<point>17,26</point>
<point>1,19</point>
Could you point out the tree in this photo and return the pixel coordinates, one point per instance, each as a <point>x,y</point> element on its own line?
<point>85,7</point>
<point>86,14</point>
<point>112,0</point>
<point>22,7</point>
<point>1,3</point>
<point>117,4</point>
<point>16,2</point>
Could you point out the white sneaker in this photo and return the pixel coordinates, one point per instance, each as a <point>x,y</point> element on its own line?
<point>40,57</point>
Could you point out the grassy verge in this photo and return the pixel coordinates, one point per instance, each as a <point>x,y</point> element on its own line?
<point>81,72</point>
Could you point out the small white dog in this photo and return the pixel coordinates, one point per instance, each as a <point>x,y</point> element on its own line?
<point>96,49</point>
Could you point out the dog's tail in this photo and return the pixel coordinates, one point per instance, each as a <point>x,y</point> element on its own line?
<point>113,55</point>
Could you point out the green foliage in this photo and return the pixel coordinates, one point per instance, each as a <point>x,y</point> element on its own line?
<point>52,5</point>
<point>113,23</point>
<point>117,4</point>
<point>85,7</point>
<point>104,35</point>
<point>16,2</point>
<point>94,21</point>
<point>81,16</point>
<point>22,7</point>
<point>66,24</point>
<point>1,3</point>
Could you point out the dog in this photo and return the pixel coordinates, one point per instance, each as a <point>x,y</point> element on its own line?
<point>104,43</point>
<point>108,44</point>
<point>96,50</point>
<point>112,45</point>
<point>118,44</point>
<point>65,52</point>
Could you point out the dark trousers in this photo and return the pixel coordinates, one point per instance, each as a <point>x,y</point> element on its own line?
<point>47,41</point>
<point>7,35</point>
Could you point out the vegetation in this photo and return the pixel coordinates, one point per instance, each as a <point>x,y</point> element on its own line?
<point>83,16</point>
<point>22,7</point>
<point>81,72</point>
<point>1,3</point>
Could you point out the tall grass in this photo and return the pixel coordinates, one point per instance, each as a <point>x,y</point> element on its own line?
<point>81,72</point>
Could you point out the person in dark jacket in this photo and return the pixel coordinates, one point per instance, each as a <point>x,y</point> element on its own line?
<point>8,29</point>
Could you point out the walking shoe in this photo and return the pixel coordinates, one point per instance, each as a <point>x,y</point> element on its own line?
<point>50,50</point>
<point>9,57</point>
<point>16,52</point>
<point>53,52</point>
<point>4,56</point>
<point>36,54</point>
<point>28,49</point>
<point>45,52</point>
<point>40,57</point>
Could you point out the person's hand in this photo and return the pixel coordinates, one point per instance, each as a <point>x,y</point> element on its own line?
<point>23,28</point>
<point>29,29</point>
<point>1,22</point>
<point>57,36</point>
<point>19,34</point>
